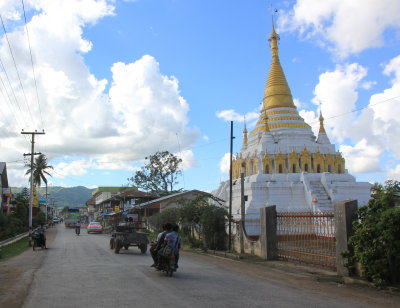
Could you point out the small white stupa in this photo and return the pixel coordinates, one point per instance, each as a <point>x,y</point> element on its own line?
<point>284,163</point>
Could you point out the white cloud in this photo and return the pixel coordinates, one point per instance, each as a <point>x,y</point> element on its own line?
<point>394,174</point>
<point>297,103</point>
<point>188,159</point>
<point>311,119</point>
<point>337,92</point>
<point>385,107</point>
<point>232,115</point>
<point>345,27</point>
<point>140,115</point>
<point>362,157</point>
<point>369,133</point>
<point>224,163</point>
<point>76,167</point>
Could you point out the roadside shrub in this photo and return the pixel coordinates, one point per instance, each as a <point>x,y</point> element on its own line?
<point>376,241</point>
<point>10,226</point>
<point>212,221</point>
<point>168,215</point>
<point>202,225</point>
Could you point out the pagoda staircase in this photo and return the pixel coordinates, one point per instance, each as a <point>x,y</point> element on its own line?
<point>318,191</point>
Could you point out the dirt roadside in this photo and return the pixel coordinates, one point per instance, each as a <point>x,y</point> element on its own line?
<point>309,278</point>
<point>16,274</point>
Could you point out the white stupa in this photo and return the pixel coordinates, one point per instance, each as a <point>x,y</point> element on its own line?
<point>285,164</point>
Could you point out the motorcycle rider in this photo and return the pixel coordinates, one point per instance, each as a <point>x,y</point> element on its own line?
<point>161,244</point>
<point>40,231</point>
<point>174,241</point>
<point>157,246</point>
<point>178,244</point>
<point>78,228</point>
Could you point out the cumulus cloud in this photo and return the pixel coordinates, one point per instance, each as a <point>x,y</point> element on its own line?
<point>362,157</point>
<point>345,27</point>
<point>394,174</point>
<point>232,115</point>
<point>373,130</point>
<point>224,163</point>
<point>337,92</point>
<point>87,121</point>
<point>385,107</point>
<point>188,159</point>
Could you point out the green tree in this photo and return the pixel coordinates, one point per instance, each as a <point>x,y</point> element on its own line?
<point>159,175</point>
<point>40,168</point>
<point>20,208</point>
<point>213,226</point>
<point>202,224</point>
<point>168,215</point>
<point>376,241</point>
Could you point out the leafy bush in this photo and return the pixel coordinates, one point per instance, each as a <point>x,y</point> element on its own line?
<point>212,221</point>
<point>376,241</point>
<point>10,226</point>
<point>202,224</point>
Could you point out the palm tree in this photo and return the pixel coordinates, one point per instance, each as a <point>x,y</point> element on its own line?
<point>39,170</point>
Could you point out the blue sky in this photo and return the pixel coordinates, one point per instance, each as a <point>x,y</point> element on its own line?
<point>119,80</point>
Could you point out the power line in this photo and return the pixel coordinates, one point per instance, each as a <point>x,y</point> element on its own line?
<point>359,109</point>
<point>12,90</point>
<point>10,104</point>
<point>16,69</point>
<point>33,68</point>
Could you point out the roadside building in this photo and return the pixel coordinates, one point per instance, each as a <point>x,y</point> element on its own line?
<point>158,205</point>
<point>108,201</point>
<point>91,208</point>
<point>4,188</point>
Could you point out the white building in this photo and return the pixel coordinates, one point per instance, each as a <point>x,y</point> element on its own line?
<point>284,163</point>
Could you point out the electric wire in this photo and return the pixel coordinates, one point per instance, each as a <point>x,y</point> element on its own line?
<point>10,105</point>
<point>12,90</point>
<point>358,109</point>
<point>33,67</point>
<point>16,69</point>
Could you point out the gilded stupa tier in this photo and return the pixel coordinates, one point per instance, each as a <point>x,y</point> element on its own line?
<point>277,92</point>
<point>278,110</point>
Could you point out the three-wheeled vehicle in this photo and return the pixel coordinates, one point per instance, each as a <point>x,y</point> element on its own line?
<point>125,235</point>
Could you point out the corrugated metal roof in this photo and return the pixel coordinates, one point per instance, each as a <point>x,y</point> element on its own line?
<point>176,195</point>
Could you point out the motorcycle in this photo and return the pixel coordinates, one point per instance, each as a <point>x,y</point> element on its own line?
<point>38,241</point>
<point>167,261</point>
<point>77,230</point>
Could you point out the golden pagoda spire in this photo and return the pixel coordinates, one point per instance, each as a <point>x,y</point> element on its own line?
<point>321,123</point>
<point>266,127</point>
<point>277,93</point>
<point>245,132</point>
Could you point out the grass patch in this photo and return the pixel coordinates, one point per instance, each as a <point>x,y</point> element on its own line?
<point>14,249</point>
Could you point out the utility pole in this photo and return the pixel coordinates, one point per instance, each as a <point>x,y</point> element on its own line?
<point>242,209</point>
<point>230,190</point>
<point>47,204</point>
<point>31,178</point>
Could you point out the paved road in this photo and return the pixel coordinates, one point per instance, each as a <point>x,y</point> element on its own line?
<point>83,272</point>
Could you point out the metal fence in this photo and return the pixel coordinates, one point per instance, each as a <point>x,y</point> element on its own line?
<point>307,237</point>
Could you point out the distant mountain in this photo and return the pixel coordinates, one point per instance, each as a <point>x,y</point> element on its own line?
<point>62,196</point>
